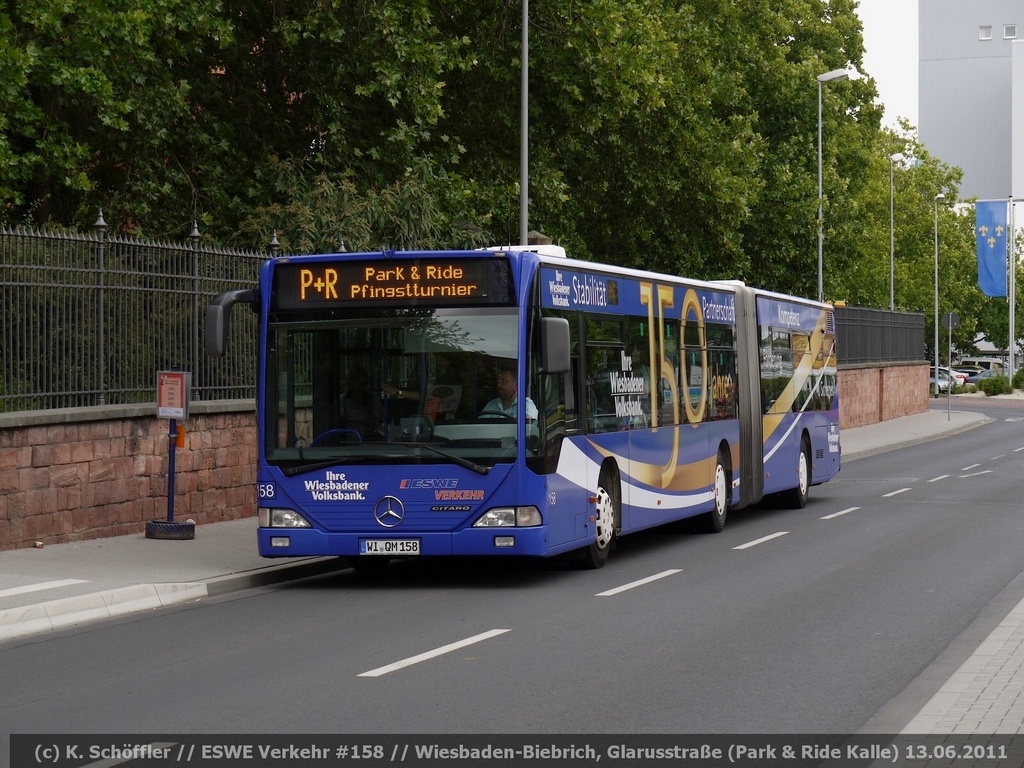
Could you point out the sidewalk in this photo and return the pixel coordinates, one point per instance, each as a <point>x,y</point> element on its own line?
<point>898,433</point>
<point>62,585</point>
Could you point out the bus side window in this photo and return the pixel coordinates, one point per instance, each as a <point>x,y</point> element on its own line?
<point>603,363</point>
<point>570,388</point>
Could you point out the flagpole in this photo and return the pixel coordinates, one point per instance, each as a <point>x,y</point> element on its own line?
<point>1011,289</point>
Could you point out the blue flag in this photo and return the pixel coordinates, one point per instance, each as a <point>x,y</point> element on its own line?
<point>990,233</point>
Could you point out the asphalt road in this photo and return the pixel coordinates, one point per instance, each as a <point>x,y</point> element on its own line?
<point>789,621</point>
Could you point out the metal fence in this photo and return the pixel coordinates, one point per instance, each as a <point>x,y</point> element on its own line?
<point>865,335</point>
<point>88,320</point>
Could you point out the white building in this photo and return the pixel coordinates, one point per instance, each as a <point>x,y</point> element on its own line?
<point>971,91</point>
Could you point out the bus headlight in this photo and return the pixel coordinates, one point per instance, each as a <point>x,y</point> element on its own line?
<point>509,517</point>
<point>270,517</point>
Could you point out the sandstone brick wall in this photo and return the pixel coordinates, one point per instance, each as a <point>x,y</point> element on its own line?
<point>89,473</point>
<point>71,480</point>
<point>869,395</point>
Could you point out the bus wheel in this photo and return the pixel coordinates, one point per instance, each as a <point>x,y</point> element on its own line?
<point>714,521</point>
<point>607,515</point>
<point>796,498</point>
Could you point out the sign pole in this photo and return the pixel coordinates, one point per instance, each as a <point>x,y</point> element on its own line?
<point>950,320</point>
<point>170,469</point>
<point>172,400</point>
<point>949,364</point>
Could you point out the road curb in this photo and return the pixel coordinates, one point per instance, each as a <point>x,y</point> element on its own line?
<point>69,611</point>
<point>274,574</point>
<point>94,606</point>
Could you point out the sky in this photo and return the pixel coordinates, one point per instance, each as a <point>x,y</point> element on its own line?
<point>890,55</point>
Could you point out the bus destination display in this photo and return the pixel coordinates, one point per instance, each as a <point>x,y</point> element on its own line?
<point>392,282</point>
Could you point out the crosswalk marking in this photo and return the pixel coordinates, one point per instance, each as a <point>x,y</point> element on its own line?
<point>39,587</point>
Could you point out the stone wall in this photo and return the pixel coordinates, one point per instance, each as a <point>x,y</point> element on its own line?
<point>870,394</point>
<point>88,473</point>
<point>79,474</point>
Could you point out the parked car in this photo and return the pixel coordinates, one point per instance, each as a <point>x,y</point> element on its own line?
<point>979,377</point>
<point>944,380</point>
<point>959,377</point>
<point>983,362</point>
<point>968,370</point>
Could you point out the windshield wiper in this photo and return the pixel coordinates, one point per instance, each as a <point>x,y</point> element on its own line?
<point>298,469</point>
<point>465,463</point>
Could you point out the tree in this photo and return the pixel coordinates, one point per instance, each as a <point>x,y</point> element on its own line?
<point>87,90</point>
<point>679,137</point>
<point>916,181</point>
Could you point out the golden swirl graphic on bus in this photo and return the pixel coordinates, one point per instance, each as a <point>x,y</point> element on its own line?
<point>663,296</point>
<point>665,384</point>
<point>691,305</point>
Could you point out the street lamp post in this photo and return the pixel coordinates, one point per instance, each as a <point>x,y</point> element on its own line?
<point>524,129</point>
<point>895,158</point>
<point>827,77</point>
<point>938,199</point>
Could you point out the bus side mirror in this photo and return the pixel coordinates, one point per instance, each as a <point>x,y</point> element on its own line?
<point>218,318</point>
<point>554,345</point>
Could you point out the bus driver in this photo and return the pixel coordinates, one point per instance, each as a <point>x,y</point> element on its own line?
<point>507,401</point>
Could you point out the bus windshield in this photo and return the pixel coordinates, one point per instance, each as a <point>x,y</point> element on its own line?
<point>416,385</point>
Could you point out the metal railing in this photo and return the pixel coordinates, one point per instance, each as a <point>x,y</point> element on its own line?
<point>88,320</point>
<point>866,335</point>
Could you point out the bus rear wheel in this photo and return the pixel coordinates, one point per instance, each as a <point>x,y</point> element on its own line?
<point>796,498</point>
<point>714,521</point>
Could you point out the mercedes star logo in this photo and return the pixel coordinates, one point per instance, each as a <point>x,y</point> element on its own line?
<point>389,511</point>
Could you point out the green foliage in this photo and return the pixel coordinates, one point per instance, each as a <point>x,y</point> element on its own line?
<point>916,181</point>
<point>87,87</point>
<point>425,209</point>
<point>997,385</point>
<point>680,137</point>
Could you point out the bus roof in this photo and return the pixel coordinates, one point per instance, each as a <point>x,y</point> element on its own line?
<point>541,250</point>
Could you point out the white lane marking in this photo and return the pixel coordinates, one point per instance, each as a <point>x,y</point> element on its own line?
<point>762,540</point>
<point>838,514</point>
<point>895,493</point>
<point>969,466</point>
<point>432,654</point>
<point>940,477</point>
<point>40,586</point>
<point>639,582</point>
<point>975,474</point>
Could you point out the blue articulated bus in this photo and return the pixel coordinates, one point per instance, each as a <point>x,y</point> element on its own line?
<point>512,401</point>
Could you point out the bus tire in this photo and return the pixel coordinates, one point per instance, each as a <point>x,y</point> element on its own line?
<point>796,498</point>
<point>607,520</point>
<point>714,521</point>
